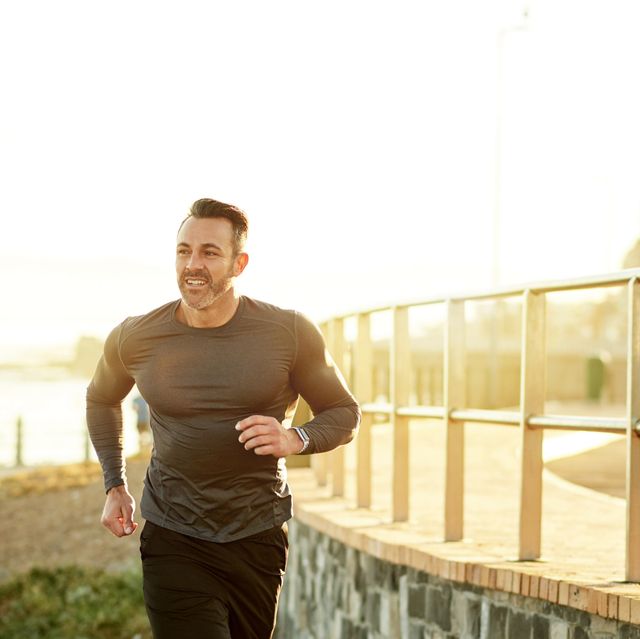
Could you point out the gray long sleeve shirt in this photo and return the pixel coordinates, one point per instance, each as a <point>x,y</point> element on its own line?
<point>199,382</point>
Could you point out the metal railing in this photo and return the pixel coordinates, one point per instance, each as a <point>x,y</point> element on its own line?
<point>530,417</point>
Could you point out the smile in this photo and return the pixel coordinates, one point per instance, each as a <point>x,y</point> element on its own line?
<point>195,282</point>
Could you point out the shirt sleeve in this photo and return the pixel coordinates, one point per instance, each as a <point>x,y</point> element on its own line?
<point>110,385</point>
<point>316,378</point>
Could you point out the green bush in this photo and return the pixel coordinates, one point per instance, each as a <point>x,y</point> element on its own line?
<point>73,603</point>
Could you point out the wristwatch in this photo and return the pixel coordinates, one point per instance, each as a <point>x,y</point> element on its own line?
<point>302,434</point>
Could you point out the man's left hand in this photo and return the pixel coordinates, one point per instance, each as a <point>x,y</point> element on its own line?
<point>267,436</point>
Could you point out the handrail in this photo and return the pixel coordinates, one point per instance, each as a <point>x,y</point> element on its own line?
<point>530,417</point>
<point>615,425</point>
<point>553,286</point>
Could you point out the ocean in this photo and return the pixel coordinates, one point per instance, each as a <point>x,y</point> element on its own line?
<point>50,402</point>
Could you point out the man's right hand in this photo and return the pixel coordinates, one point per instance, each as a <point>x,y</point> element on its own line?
<point>117,516</point>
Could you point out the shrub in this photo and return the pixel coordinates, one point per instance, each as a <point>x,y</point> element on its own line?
<point>73,603</point>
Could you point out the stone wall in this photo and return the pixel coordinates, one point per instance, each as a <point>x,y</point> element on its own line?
<point>333,591</point>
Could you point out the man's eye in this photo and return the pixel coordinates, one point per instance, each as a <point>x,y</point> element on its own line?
<point>210,253</point>
<point>182,252</point>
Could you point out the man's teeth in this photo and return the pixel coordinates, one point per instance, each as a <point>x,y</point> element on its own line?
<point>194,282</point>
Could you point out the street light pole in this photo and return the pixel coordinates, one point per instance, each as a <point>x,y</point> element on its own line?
<point>495,265</point>
<point>502,34</point>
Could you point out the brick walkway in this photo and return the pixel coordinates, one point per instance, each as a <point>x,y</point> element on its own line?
<point>583,535</point>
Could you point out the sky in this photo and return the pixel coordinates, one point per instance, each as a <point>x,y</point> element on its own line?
<point>384,151</point>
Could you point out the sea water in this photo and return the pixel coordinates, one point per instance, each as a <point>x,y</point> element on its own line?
<point>50,403</point>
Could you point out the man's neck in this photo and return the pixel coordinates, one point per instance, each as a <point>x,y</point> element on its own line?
<point>217,314</point>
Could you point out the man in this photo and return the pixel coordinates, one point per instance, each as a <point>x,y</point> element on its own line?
<point>221,373</point>
<point>142,423</point>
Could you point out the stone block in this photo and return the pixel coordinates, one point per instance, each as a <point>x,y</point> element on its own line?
<point>337,551</point>
<point>519,625</point>
<point>627,631</point>
<point>403,603</point>
<point>540,627</point>
<point>390,615</point>
<point>360,631</point>
<point>458,611</point>
<point>366,564</point>
<point>497,623</point>
<point>417,601</point>
<point>485,608</point>
<point>558,629</point>
<point>355,604</point>
<point>336,626</point>
<point>373,610</point>
<point>394,576</point>
<point>360,579</point>
<point>603,628</point>
<point>439,606</point>
<point>572,615</point>
<point>579,633</point>
<point>380,573</point>
<point>472,619</point>
<point>417,631</point>
<point>351,560</point>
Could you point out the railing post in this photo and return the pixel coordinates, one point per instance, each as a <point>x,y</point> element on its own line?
<point>454,397</point>
<point>532,396</point>
<point>320,461</point>
<point>19,442</point>
<point>337,456</point>
<point>400,369</point>
<point>632,567</point>
<point>364,392</point>
<point>87,444</point>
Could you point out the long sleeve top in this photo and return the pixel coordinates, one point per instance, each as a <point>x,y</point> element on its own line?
<point>198,383</point>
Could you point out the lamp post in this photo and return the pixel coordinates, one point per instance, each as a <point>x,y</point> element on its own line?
<point>495,264</point>
<point>500,40</point>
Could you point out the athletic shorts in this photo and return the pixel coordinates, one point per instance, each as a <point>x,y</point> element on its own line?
<point>196,589</point>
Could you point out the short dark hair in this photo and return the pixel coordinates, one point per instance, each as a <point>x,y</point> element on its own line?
<point>206,208</point>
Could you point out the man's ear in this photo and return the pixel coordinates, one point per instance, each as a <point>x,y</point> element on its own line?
<point>240,263</point>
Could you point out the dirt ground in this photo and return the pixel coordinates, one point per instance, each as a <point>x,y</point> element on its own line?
<point>52,526</point>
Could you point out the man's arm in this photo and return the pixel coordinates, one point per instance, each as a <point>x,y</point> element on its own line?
<point>109,386</point>
<point>318,380</point>
<point>315,377</point>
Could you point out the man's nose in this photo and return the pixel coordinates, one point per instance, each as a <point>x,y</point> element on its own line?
<point>195,262</point>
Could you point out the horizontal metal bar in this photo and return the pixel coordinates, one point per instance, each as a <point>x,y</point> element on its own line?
<point>377,408</point>
<point>553,286</point>
<point>478,415</point>
<point>616,425</point>
<point>434,412</point>
<point>579,423</point>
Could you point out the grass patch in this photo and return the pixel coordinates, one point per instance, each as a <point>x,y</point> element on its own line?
<point>44,479</point>
<point>73,603</point>
<point>49,478</point>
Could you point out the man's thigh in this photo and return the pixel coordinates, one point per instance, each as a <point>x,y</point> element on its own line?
<point>260,563</point>
<point>200,589</point>
<point>181,597</point>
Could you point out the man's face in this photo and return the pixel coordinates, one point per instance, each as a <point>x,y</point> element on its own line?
<point>205,263</point>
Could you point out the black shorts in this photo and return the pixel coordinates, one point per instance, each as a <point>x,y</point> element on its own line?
<point>196,589</point>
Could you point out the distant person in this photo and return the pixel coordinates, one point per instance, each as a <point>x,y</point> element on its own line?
<point>221,373</point>
<point>142,422</point>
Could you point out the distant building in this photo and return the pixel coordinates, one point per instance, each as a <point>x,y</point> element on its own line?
<point>87,354</point>
<point>632,258</point>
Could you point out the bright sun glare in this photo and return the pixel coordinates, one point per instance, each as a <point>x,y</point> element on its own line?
<point>362,139</point>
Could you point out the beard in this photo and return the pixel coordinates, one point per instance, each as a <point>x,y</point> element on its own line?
<point>204,296</point>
